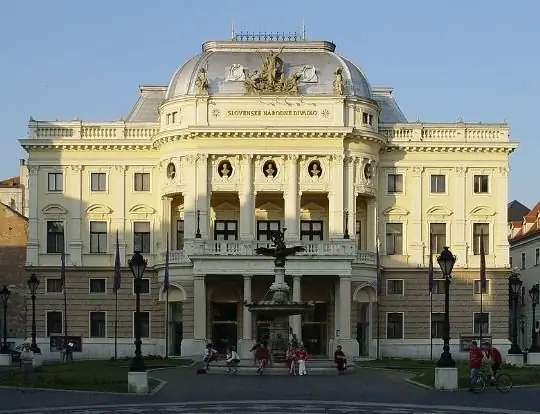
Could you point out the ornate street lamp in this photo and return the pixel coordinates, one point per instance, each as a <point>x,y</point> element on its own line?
<point>346,234</point>
<point>137,264</point>
<point>33,284</point>
<point>515,288</point>
<point>4,297</point>
<point>446,261</point>
<point>535,299</point>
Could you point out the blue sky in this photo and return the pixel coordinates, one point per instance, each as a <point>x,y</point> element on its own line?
<point>475,60</point>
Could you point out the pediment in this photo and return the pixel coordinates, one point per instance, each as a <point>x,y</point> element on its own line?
<point>439,211</point>
<point>98,209</point>
<point>142,209</point>
<point>395,211</point>
<point>226,206</point>
<point>54,209</point>
<point>269,207</point>
<point>312,207</point>
<point>482,211</point>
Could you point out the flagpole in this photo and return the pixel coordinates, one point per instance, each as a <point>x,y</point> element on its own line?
<point>166,286</point>
<point>431,283</point>
<point>63,270</point>
<point>116,324</point>
<point>431,332</point>
<point>116,287</point>
<point>482,282</point>
<point>379,292</point>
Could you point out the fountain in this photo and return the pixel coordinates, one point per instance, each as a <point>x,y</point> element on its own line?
<point>279,307</point>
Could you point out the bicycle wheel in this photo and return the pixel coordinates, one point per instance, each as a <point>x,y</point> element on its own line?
<point>503,383</point>
<point>480,385</point>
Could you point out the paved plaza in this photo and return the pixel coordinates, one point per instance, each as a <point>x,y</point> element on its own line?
<point>366,391</point>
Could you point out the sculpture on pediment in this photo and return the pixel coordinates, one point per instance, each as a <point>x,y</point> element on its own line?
<point>271,79</point>
<point>201,82</point>
<point>338,84</point>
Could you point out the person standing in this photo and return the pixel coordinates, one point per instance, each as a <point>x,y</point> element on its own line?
<point>27,368</point>
<point>476,357</point>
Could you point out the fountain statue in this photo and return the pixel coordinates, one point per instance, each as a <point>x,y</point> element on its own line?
<point>279,307</point>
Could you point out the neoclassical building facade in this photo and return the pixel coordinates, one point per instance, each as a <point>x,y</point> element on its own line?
<point>247,138</point>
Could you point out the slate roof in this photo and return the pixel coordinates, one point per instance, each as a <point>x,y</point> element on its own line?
<point>527,226</point>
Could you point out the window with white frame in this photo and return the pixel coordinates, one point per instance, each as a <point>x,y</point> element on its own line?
<point>395,286</point>
<point>481,184</point>
<point>438,183</point>
<point>54,285</point>
<point>55,237</point>
<point>144,323</point>
<point>437,324</point>
<point>394,238</point>
<point>537,256</point>
<point>55,323</point>
<point>141,236</point>
<point>141,181</point>
<point>55,182</point>
<point>98,324</point>
<point>481,320</point>
<point>395,183</point>
<point>98,237</point>
<point>97,285</point>
<point>523,261</point>
<point>394,325</point>
<point>145,286</point>
<point>437,234</point>
<point>480,231</point>
<point>477,287</point>
<point>98,182</point>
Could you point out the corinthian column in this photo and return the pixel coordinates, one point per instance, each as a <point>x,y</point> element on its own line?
<point>335,200</point>
<point>247,199</point>
<point>202,193</point>
<point>292,199</point>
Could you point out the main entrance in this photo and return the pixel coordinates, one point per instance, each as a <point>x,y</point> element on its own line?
<point>315,330</point>
<point>224,325</point>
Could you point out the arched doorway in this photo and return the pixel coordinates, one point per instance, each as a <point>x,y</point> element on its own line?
<point>364,297</point>
<point>175,321</point>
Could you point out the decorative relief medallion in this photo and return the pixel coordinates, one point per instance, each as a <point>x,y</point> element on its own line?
<point>225,169</point>
<point>235,73</point>
<point>216,112</point>
<point>270,169</point>
<point>171,171</point>
<point>308,74</point>
<point>315,169</point>
<point>325,113</point>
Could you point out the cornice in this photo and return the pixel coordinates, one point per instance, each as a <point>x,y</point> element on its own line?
<point>491,147</point>
<point>87,145</point>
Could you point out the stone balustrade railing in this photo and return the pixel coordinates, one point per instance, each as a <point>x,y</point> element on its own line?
<point>247,248</point>
<point>457,132</point>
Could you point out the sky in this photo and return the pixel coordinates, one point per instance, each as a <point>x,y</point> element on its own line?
<point>472,59</point>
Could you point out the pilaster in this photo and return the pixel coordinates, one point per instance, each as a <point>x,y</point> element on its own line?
<point>203,196</point>
<point>295,321</point>
<point>500,237</point>
<point>247,199</point>
<point>459,236</point>
<point>32,249</point>
<point>119,212</point>
<point>335,199</point>
<point>414,238</point>
<point>199,307</point>
<point>345,307</point>
<point>350,196</point>
<point>166,224</point>
<point>372,219</point>
<point>73,191</point>
<point>292,200</point>
<point>190,196</point>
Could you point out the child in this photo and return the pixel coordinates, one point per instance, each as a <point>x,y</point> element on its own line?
<point>301,357</point>
<point>232,360</point>
<point>475,357</point>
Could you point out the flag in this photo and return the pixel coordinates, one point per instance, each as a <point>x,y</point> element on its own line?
<point>379,273</point>
<point>63,268</point>
<point>430,271</point>
<point>482,263</point>
<point>166,277</point>
<point>117,274</point>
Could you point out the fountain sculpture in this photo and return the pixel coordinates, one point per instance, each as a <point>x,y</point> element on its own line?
<point>279,307</point>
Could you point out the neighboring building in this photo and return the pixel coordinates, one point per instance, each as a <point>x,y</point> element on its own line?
<point>243,142</point>
<point>524,239</point>
<point>14,191</point>
<point>13,237</point>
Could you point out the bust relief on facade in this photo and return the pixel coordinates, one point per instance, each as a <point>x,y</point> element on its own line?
<point>225,169</point>
<point>315,169</point>
<point>171,171</point>
<point>270,169</point>
<point>368,171</point>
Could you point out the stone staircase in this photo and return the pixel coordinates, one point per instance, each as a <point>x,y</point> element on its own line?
<point>246,367</point>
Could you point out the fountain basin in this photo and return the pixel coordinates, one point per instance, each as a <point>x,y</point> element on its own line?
<point>278,309</point>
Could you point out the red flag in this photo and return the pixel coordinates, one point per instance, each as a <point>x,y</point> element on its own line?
<point>117,266</point>
<point>483,281</point>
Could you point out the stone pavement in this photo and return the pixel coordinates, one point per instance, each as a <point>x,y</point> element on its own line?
<point>186,392</point>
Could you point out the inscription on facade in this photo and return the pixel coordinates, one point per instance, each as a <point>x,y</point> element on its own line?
<point>267,112</point>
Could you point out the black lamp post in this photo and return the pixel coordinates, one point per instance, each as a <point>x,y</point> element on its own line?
<point>535,299</point>
<point>346,219</point>
<point>33,284</point>
<point>4,297</point>
<point>446,261</point>
<point>137,264</point>
<point>198,233</point>
<point>515,287</point>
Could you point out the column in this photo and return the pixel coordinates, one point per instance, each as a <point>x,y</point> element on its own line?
<point>247,200</point>
<point>335,200</point>
<point>292,200</point>
<point>119,212</point>
<point>203,195</point>
<point>345,307</point>
<point>459,234</point>
<point>296,320</point>
<point>372,219</point>
<point>350,197</point>
<point>166,224</point>
<point>190,196</point>
<point>74,241</point>
<point>246,324</point>
<point>32,255</point>
<point>499,240</point>
<point>415,239</point>
<point>199,308</point>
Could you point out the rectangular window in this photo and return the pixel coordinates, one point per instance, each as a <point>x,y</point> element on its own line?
<point>438,286</point>
<point>141,237</point>
<point>523,261</point>
<point>265,229</point>
<point>437,325</point>
<point>98,182</point>
<point>480,230</point>
<point>98,325</point>
<point>438,183</point>
<point>394,325</point>
<point>55,323</point>
<point>54,286</point>
<point>311,230</point>
<point>55,182</point>
<point>225,230</point>
<point>98,286</point>
<point>145,286</point>
<point>537,257</point>
<point>145,323</point>
<point>179,234</point>
<point>142,181</point>
<point>394,238</point>
<point>481,319</point>
<point>367,118</point>
<point>358,233</point>
<point>395,183</point>
<point>98,237</point>
<point>55,237</point>
<point>481,184</point>
<point>437,233</point>
<point>395,287</point>
<point>477,285</point>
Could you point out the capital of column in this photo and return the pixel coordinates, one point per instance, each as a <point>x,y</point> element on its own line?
<point>198,277</point>
<point>297,277</point>
<point>166,198</point>
<point>345,277</point>
<point>247,277</point>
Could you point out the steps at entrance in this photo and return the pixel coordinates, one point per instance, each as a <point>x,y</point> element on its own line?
<point>246,367</point>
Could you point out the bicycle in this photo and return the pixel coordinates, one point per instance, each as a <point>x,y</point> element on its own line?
<point>503,382</point>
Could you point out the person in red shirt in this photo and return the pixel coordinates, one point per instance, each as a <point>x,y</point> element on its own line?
<point>301,357</point>
<point>262,355</point>
<point>475,357</point>
<point>494,357</point>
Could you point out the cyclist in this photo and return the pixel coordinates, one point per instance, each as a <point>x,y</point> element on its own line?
<point>494,359</point>
<point>262,355</point>
<point>475,359</point>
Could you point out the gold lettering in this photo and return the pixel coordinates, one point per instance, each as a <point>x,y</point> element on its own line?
<point>239,113</point>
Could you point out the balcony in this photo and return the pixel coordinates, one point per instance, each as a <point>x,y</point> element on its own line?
<point>237,248</point>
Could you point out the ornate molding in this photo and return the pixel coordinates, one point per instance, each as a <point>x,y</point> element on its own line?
<point>76,168</point>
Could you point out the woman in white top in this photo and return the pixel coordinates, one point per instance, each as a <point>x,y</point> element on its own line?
<point>232,360</point>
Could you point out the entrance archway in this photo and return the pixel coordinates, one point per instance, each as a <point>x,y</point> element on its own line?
<point>177,295</point>
<point>365,297</point>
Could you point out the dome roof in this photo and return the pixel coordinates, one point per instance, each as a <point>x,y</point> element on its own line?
<point>227,62</point>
